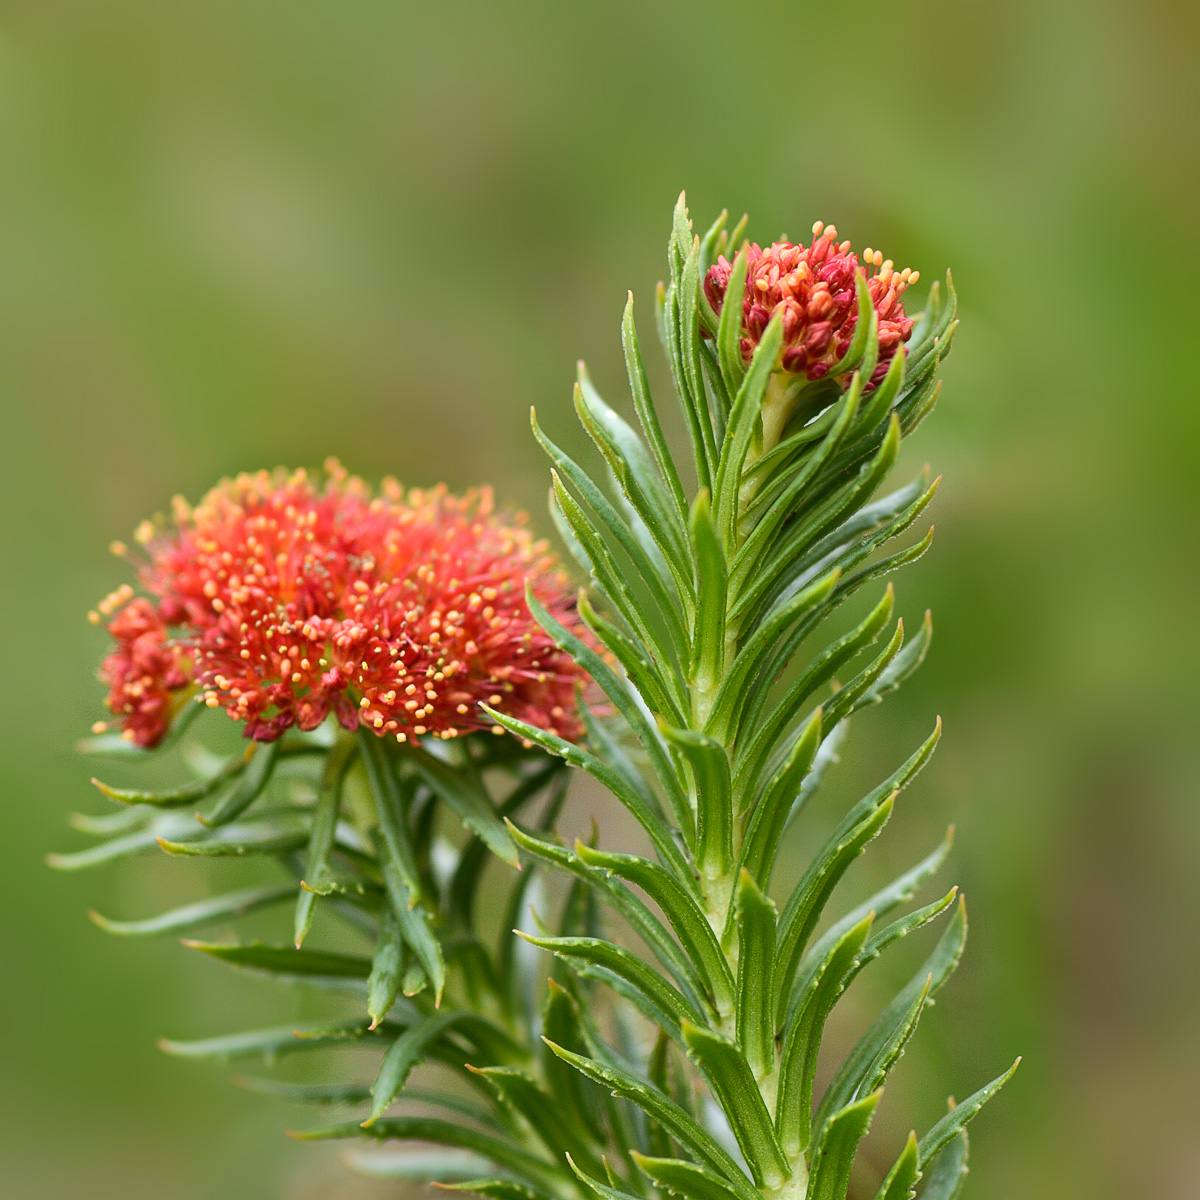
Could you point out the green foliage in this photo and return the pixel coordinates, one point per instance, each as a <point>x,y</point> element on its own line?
<point>576,1072</point>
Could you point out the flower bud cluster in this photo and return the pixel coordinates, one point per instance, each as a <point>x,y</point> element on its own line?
<point>283,602</point>
<point>813,289</point>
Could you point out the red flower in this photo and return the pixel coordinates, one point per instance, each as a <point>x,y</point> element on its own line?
<point>814,289</point>
<point>143,670</point>
<point>400,612</point>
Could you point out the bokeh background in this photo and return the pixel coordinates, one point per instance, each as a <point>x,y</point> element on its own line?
<point>245,232</point>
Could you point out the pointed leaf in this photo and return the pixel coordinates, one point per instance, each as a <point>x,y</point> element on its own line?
<point>803,909</point>
<point>639,387</point>
<point>680,908</point>
<point>387,968</point>
<point>250,785</point>
<point>681,1126</point>
<point>577,756</point>
<point>685,1179</point>
<point>756,959</point>
<point>185,795</point>
<point>876,1051</point>
<point>802,1039</point>
<point>504,1152</point>
<point>324,827</point>
<point>625,965</point>
<point>286,960</point>
<point>956,1119</point>
<point>203,912</point>
<point>405,1053</point>
<point>468,800</point>
<point>835,1154</point>
<point>732,1083</point>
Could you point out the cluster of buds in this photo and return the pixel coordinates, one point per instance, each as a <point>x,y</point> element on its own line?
<point>813,289</point>
<point>282,602</point>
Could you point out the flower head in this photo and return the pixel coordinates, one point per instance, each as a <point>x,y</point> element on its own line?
<point>813,289</point>
<point>284,602</point>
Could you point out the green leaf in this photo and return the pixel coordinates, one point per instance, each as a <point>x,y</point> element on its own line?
<point>898,892</point>
<point>545,1117</point>
<point>685,1179</point>
<point>468,800</point>
<point>180,796</point>
<point>601,1189</point>
<point>760,649</point>
<point>803,1034</point>
<point>640,918</point>
<point>282,1039</point>
<point>901,1181</point>
<point>203,912</point>
<point>682,1127</point>
<point>844,700</point>
<point>497,1189</point>
<point>389,808</point>
<point>751,760</point>
<point>398,862</point>
<point>708,637</point>
<point>239,841</point>
<point>619,529</point>
<point>627,702</point>
<point>770,815</point>
<point>729,327</point>
<point>598,952</point>
<point>803,909</point>
<point>858,342</point>
<point>643,403</point>
<point>875,1052</point>
<point>249,787</point>
<point>119,847</point>
<point>680,908</point>
<point>835,1153</point>
<point>305,1093</point>
<point>688,378</point>
<point>780,564</point>
<point>744,421</point>
<point>956,1119</point>
<point>780,503</point>
<point>286,960</point>
<point>714,806</point>
<point>948,1172</point>
<point>634,469</point>
<point>732,1082</point>
<point>562,1025</point>
<point>756,959</point>
<point>324,827</point>
<point>903,666</point>
<point>387,968</point>
<point>504,1152</point>
<point>405,1052</point>
<point>577,756</point>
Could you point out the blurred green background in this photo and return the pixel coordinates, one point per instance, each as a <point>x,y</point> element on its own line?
<point>244,232</point>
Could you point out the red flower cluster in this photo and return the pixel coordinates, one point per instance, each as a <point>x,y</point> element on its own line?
<point>813,288</point>
<point>284,602</point>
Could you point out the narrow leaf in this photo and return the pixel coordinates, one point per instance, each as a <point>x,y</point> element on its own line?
<point>835,1154</point>
<point>324,827</point>
<point>732,1082</point>
<point>203,912</point>
<point>286,960</point>
<point>681,1126</point>
<point>756,959</point>
<point>468,800</point>
<point>250,785</point>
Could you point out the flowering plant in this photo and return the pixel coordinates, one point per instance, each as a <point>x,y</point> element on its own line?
<point>372,647</point>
